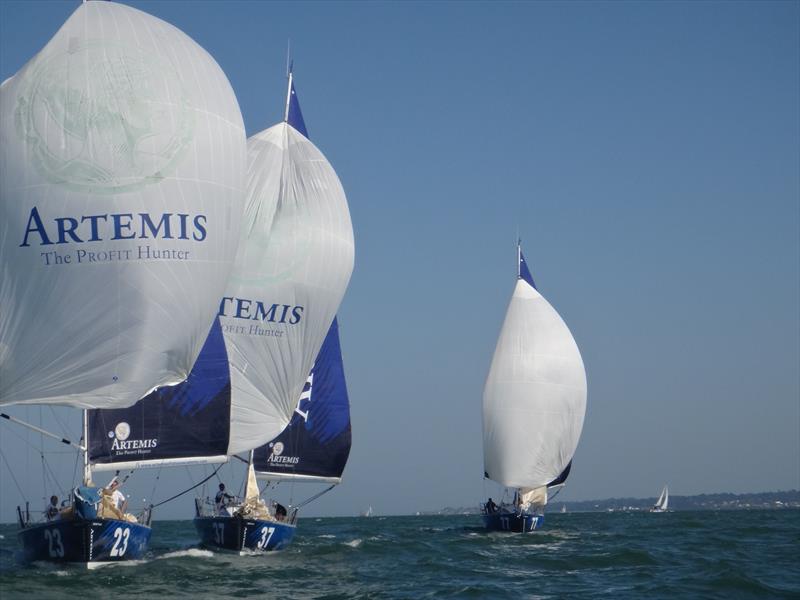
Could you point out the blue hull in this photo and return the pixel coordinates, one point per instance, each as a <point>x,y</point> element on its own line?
<point>237,534</point>
<point>514,522</point>
<point>88,542</point>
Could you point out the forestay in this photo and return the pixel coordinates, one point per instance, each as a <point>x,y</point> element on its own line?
<point>123,155</point>
<point>535,395</point>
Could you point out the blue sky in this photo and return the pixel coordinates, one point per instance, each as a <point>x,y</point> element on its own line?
<point>648,154</point>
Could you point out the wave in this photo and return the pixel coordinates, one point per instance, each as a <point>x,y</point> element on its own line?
<point>193,552</point>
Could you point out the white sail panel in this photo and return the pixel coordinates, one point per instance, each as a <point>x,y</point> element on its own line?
<point>533,498</point>
<point>663,500</point>
<point>294,263</point>
<point>534,400</point>
<point>123,156</point>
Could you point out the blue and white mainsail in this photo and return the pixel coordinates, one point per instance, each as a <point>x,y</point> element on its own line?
<point>291,272</point>
<point>316,444</point>
<point>186,423</point>
<point>122,153</point>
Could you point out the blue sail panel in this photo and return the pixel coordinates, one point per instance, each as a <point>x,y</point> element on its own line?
<point>524,272</point>
<point>294,115</point>
<point>184,421</point>
<point>316,443</point>
<point>563,477</point>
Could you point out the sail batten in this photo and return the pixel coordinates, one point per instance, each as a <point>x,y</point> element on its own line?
<point>165,462</point>
<point>273,476</point>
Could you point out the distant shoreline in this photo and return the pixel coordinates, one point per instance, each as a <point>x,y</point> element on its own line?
<point>721,501</point>
<point>781,500</point>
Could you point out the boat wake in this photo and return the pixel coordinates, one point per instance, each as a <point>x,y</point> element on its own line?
<point>193,552</point>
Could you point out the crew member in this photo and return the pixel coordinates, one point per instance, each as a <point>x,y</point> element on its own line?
<point>222,499</point>
<point>51,512</point>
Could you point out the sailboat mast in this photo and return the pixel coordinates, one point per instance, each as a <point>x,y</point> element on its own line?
<point>87,471</point>
<point>519,258</point>
<point>288,96</point>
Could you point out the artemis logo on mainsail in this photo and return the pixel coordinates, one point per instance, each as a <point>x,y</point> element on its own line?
<point>121,442</point>
<point>119,226</point>
<point>255,310</point>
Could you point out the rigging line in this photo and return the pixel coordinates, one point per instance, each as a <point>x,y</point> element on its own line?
<point>155,482</point>
<point>218,468</point>
<point>44,473</point>
<point>203,489</point>
<point>558,489</point>
<point>124,479</point>
<point>25,440</point>
<point>55,483</point>
<point>314,497</point>
<point>41,456</point>
<point>47,469</point>
<point>64,429</point>
<point>75,468</point>
<point>8,466</point>
<point>188,490</point>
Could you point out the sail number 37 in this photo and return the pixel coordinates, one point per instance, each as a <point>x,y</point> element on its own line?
<point>266,535</point>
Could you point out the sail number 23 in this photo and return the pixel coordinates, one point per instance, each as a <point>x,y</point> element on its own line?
<point>54,545</point>
<point>120,541</point>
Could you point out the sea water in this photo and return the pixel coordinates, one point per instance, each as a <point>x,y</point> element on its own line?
<point>734,554</point>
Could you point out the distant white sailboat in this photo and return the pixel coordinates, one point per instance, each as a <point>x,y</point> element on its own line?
<point>368,512</point>
<point>662,503</point>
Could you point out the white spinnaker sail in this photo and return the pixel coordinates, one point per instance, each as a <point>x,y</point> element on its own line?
<point>534,400</point>
<point>293,267</point>
<point>122,159</point>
